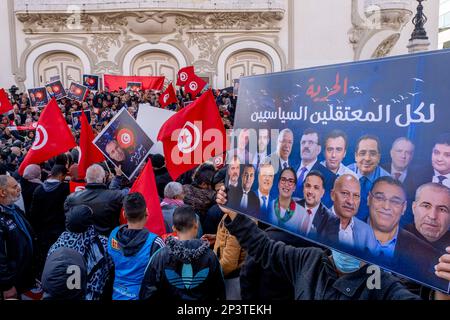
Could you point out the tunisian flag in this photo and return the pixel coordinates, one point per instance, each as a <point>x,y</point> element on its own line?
<point>145,184</point>
<point>194,86</point>
<point>193,136</point>
<point>89,153</point>
<point>5,104</point>
<point>53,137</point>
<point>167,97</point>
<point>184,75</point>
<point>114,83</point>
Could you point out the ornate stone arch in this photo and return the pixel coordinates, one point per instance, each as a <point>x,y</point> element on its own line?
<point>35,52</point>
<point>252,45</point>
<point>130,56</point>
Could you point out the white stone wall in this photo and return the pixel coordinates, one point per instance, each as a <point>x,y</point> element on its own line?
<point>61,5</point>
<point>6,76</point>
<point>320,34</point>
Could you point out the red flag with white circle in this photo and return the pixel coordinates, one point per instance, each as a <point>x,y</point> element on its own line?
<point>53,137</point>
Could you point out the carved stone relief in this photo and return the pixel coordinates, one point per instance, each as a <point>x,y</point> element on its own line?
<point>206,42</point>
<point>108,67</point>
<point>70,23</point>
<point>365,27</point>
<point>231,20</point>
<point>386,46</point>
<point>100,44</point>
<point>199,35</point>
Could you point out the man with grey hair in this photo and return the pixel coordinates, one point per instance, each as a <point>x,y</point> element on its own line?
<point>30,180</point>
<point>106,204</point>
<point>280,158</point>
<point>173,198</point>
<point>16,243</point>
<point>431,210</point>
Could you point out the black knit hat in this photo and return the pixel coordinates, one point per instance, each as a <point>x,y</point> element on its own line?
<point>79,218</point>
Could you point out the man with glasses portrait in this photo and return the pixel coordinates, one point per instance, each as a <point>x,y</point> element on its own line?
<point>396,247</point>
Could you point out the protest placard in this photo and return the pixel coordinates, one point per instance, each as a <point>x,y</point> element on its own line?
<point>56,90</point>
<point>381,133</point>
<point>38,97</point>
<point>124,143</point>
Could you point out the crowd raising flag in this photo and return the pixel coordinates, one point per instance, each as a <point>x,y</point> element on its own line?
<point>168,97</point>
<point>5,104</point>
<point>53,137</point>
<point>184,135</point>
<point>145,184</point>
<point>89,153</point>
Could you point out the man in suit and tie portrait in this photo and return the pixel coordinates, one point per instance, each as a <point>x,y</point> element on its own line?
<point>234,168</point>
<point>335,151</point>
<point>440,161</point>
<point>280,159</point>
<point>244,198</point>
<point>266,176</point>
<point>263,143</point>
<point>316,218</point>
<point>367,157</point>
<point>402,153</point>
<point>310,148</point>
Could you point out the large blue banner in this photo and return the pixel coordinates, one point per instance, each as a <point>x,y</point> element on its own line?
<point>354,156</point>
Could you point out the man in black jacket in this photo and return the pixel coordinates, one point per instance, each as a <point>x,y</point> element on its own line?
<point>186,268</point>
<point>47,212</point>
<point>315,273</point>
<point>106,204</point>
<point>258,283</point>
<point>29,182</point>
<point>16,243</point>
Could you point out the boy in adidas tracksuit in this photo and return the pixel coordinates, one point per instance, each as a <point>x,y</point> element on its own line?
<point>131,246</point>
<point>186,268</point>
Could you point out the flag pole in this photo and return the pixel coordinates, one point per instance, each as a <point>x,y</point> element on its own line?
<point>107,167</point>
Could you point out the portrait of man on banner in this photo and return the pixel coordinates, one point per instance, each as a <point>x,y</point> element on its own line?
<point>124,143</point>
<point>56,90</point>
<point>76,124</point>
<point>77,92</point>
<point>91,82</point>
<point>362,163</point>
<point>38,97</point>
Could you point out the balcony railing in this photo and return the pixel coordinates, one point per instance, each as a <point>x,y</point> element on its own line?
<point>140,5</point>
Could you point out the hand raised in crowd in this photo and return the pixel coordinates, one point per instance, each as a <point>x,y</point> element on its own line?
<point>221,200</point>
<point>211,238</point>
<point>10,294</point>
<point>119,171</point>
<point>443,267</point>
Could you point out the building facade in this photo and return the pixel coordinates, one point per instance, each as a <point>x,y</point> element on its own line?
<point>444,24</point>
<point>223,39</point>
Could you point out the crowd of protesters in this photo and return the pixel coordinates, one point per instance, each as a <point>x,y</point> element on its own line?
<point>45,229</point>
